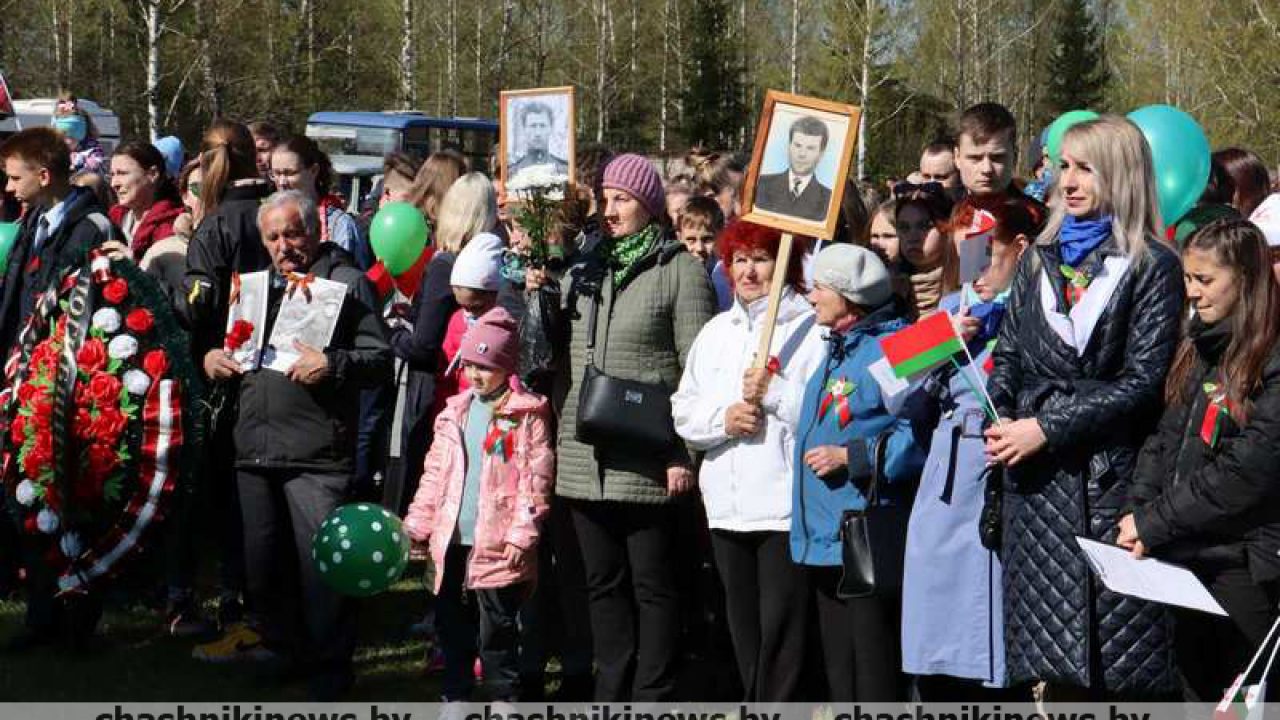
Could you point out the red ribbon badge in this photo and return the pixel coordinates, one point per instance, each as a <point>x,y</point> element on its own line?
<point>499,439</point>
<point>838,392</point>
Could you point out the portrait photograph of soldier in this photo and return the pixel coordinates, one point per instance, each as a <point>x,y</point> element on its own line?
<point>537,134</point>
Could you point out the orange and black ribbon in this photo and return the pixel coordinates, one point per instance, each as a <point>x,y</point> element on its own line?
<point>298,281</point>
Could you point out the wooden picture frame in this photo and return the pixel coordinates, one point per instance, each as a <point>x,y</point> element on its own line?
<point>800,214</point>
<point>512,148</point>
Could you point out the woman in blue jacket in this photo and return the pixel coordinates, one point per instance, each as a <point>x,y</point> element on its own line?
<point>842,421</point>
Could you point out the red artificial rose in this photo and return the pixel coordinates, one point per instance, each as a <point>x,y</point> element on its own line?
<point>82,426</point>
<point>108,426</point>
<point>102,460</point>
<point>104,390</point>
<point>140,321</point>
<point>116,291</point>
<point>42,413</point>
<point>27,393</point>
<point>155,364</point>
<point>18,430</point>
<point>37,460</point>
<point>241,332</point>
<point>92,355</point>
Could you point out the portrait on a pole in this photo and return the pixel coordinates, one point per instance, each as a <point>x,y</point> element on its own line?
<point>800,164</point>
<point>537,134</point>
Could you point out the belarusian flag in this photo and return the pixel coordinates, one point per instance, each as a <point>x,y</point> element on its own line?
<point>923,346</point>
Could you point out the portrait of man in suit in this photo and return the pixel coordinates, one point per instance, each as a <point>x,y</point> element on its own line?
<point>536,122</point>
<point>796,191</point>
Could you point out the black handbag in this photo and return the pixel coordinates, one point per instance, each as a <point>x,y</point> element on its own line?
<point>622,413</point>
<point>873,540</point>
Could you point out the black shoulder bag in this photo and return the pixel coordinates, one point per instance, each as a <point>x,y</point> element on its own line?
<point>873,540</point>
<point>622,413</point>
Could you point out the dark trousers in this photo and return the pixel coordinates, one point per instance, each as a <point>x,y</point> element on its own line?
<point>767,599</point>
<point>496,636</point>
<point>217,482</point>
<point>282,510</point>
<point>860,642</point>
<point>1213,650</point>
<point>71,618</point>
<point>628,551</point>
<point>551,620</point>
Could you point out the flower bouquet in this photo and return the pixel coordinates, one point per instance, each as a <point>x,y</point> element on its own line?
<point>538,195</point>
<point>93,421</point>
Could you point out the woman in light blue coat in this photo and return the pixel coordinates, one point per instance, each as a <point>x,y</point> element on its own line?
<point>952,620</point>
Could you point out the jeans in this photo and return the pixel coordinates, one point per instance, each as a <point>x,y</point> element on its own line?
<point>497,636</point>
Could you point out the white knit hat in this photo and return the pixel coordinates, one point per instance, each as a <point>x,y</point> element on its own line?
<point>479,265</point>
<point>854,272</point>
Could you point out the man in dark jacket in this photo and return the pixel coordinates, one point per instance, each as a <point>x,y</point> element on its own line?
<point>61,225</point>
<point>797,191</point>
<point>295,444</point>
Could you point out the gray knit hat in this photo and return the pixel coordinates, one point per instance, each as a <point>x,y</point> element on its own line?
<point>854,272</point>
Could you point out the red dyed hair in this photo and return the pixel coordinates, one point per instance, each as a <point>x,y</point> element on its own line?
<point>743,236</point>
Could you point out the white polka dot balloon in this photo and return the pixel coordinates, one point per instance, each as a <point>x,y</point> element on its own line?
<point>365,553</point>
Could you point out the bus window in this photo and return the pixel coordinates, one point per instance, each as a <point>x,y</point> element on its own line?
<point>417,142</point>
<point>346,140</point>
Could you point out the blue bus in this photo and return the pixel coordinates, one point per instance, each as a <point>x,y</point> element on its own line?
<point>374,134</point>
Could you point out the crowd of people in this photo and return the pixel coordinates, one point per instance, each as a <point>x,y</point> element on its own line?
<point>1118,381</point>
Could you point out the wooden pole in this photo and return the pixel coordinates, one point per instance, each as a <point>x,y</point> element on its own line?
<point>775,299</point>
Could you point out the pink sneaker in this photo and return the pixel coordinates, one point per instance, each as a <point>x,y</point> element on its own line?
<point>478,670</point>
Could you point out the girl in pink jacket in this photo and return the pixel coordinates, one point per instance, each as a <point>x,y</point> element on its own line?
<point>484,491</point>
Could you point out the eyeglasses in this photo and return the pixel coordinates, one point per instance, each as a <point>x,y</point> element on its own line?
<point>904,190</point>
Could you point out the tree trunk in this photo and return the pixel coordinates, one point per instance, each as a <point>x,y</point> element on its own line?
<point>451,63</point>
<point>57,44</point>
<point>795,45</point>
<point>864,85</point>
<point>478,56</point>
<point>152,18</point>
<point>408,98</point>
<point>666,60</point>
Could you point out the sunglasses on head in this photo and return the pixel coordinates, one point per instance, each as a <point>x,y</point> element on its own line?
<point>905,189</point>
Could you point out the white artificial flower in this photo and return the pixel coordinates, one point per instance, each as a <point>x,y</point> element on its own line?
<point>137,382</point>
<point>48,522</point>
<point>107,320</point>
<point>26,492</point>
<point>122,347</point>
<point>70,545</point>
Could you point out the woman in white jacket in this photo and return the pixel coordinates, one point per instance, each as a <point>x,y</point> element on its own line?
<point>745,421</point>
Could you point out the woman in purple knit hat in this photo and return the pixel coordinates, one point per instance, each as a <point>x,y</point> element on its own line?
<point>649,299</point>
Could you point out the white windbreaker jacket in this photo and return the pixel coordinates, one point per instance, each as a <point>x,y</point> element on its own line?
<point>746,482</point>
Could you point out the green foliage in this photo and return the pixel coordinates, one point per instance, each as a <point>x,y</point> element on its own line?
<point>1076,69</point>
<point>712,94</point>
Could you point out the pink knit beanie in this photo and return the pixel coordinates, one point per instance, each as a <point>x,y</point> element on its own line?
<point>492,342</point>
<point>634,174</point>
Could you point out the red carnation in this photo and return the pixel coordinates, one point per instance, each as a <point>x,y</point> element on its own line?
<point>116,291</point>
<point>140,321</point>
<point>155,364</point>
<point>241,332</point>
<point>104,390</point>
<point>92,355</point>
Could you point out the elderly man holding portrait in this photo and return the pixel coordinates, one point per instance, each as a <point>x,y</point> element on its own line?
<point>295,446</point>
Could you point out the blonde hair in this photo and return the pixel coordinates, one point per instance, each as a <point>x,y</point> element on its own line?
<point>1124,182</point>
<point>469,207</point>
<point>434,178</point>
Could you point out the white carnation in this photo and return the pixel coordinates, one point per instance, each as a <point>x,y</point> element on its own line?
<point>70,545</point>
<point>48,522</point>
<point>122,347</point>
<point>107,320</point>
<point>26,492</point>
<point>137,382</point>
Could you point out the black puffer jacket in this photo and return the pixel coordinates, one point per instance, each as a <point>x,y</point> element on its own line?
<point>285,425</point>
<point>227,241</point>
<point>1214,507</point>
<point>1096,408</point>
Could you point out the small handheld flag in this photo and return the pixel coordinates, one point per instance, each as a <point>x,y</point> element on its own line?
<point>921,347</point>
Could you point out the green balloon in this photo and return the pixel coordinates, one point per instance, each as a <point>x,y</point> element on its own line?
<point>398,235</point>
<point>360,550</point>
<point>1059,127</point>
<point>1180,157</point>
<point>8,235</point>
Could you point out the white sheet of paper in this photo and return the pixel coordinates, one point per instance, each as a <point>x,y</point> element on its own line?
<point>1147,578</point>
<point>252,306</point>
<point>309,321</point>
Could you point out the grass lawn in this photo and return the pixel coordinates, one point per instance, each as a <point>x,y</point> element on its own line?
<point>134,659</point>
